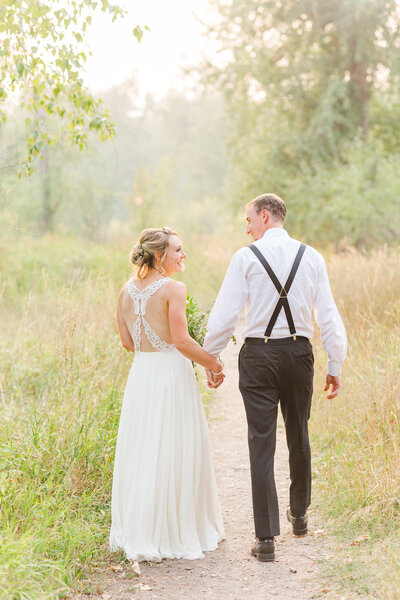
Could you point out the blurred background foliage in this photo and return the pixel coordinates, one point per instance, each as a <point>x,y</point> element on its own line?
<point>167,164</point>
<point>312,96</point>
<point>303,101</point>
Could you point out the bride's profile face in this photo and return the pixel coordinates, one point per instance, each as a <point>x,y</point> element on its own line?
<point>173,261</point>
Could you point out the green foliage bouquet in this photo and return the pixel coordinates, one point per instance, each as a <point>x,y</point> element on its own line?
<point>196,319</point>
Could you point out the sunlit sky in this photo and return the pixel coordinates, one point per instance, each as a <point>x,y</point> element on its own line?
<point>175,39</point>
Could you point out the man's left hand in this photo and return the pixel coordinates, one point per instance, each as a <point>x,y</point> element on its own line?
<point>334,381</point>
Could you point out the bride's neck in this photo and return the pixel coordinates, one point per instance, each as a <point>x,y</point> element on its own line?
<point>153,275</point>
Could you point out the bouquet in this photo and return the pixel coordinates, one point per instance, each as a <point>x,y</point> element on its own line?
<point>197,320</point>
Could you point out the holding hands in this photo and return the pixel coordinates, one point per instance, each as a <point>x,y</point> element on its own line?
<point>215,377</point>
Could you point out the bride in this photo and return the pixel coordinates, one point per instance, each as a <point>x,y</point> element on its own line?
<point>164,495</point>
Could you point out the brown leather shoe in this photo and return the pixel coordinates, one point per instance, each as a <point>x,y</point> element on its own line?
<point>264,551</point>
<point>299,524</point>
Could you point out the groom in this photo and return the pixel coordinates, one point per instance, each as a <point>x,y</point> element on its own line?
<point>280,281</point>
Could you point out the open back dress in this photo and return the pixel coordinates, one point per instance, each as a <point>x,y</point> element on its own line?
<point>164,495</point>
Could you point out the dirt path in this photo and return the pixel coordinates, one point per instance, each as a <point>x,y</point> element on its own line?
<point>230,573</point>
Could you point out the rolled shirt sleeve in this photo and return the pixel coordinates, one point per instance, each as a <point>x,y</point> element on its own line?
<point>230,300</point>
<point>328,319</point>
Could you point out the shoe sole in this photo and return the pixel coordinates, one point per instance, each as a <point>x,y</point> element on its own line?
<point>264,557</point>
<point>300,532</point>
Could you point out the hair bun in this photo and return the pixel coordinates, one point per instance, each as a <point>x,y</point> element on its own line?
<point>137,254</point>
<point>151,241</point>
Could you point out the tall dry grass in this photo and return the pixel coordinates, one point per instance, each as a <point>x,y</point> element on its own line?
<point>62,374</point>
<point>357,436</point>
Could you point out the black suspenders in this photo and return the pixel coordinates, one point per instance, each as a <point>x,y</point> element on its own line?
<point>282,290</point>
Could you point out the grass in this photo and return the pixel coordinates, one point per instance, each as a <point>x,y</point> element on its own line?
<point>357,436</point>
<point>62,374</point>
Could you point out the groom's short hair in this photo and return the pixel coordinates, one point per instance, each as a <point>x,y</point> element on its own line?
<point>272,203</point>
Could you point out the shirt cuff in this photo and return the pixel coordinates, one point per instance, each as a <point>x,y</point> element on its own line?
<point>334,367</point>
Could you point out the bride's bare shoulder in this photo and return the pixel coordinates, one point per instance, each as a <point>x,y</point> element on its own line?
<point>125,286</point>
<point>127,289</point>
<point>175,288</point>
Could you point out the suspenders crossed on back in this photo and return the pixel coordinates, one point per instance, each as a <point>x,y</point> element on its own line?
<point>282,290</point>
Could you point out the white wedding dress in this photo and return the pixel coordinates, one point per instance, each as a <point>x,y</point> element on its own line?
<point>164,495</point>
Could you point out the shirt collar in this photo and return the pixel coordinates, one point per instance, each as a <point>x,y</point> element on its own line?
<point>276,232</point>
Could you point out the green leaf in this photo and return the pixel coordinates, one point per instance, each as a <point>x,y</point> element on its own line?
<point>138,33</point>
<point>20,68</point>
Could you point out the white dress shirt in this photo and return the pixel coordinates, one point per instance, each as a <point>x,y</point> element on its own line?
<point>246,283</point>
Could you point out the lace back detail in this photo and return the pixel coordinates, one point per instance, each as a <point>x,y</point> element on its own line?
<point>140,298</point>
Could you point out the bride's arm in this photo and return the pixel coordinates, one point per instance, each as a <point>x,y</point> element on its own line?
<point>125,336</point>
<point>176,300</point>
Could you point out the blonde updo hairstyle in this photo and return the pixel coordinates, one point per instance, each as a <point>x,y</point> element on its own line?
<point>151,241</point>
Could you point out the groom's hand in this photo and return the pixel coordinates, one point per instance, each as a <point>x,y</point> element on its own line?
<point>333,381</point>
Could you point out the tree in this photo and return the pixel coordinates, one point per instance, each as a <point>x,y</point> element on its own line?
<point>311,89</point>
<point>41,58</point>
<point>313,65</point>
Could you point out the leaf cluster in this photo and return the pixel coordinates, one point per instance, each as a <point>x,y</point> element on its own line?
<point>196,320</point>
<point>41,61</point>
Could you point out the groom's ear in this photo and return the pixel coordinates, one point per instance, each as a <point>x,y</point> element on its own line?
<point>265,215</point>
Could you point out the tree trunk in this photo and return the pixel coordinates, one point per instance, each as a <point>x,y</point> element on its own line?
<point>47,209</point>
<point>360,87</point>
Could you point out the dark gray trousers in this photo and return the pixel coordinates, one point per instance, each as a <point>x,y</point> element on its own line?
<point>278,371</point>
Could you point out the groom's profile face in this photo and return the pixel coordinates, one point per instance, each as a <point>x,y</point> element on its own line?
<point>256,222</point>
